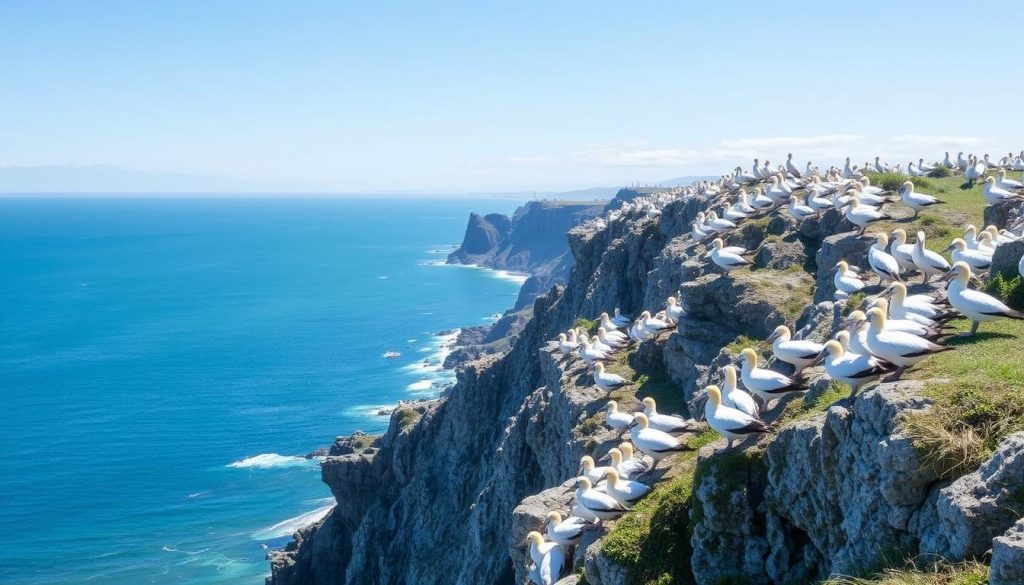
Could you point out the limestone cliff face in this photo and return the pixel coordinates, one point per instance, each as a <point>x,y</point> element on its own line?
<point>445,495</point>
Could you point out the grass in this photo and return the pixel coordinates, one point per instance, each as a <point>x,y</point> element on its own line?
<point>790,291</point>
<point>761,346</point>
<point>940,573</point>
<point>592,424</point>
<point>941,223</point>
<point>653,542</point>
<point>587,325</point>
<point>406,417</point>
<point>653,381</point>
<point>853,302</point>
<point>798,410</point>
<point>979,398</point>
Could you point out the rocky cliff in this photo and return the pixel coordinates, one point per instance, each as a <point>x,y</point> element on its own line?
<point>446,495</point>
<point>532,241</point>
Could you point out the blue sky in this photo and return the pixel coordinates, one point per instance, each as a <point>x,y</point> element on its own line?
<point>480,96</point>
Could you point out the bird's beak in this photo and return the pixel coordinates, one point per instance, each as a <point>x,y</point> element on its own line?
<point>773,337</point>
<point>607,457</point>
<point>631,425</point>
<point>948,276</point>
<point>948,248</point>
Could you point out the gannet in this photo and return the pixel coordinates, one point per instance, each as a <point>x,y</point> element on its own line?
<point>616,341</point>
<point>776,192</point>
<point>564,532</point>
<point>791,168</point>
<point>666,422</point>
<point>881,262</point>
<point>673,309</point>
<point>924,167</point>
<point>1001,237</point>
<point>615,418</point>
<point>1009,184</point>
<point>600,504</point>
<point>976,305</point>
<point>767,384</point>
<point>718,224</point>
<point>853,369</point>
<point>731,213</point>
<point>916,201</point>
<point>961,162</point>
<point>629,455</point>
<point>994,194</point>
<point>897,347</point>
<point>923,305</point>
<point>566,344</point>
<point>619,319</point>
<point>869,189</point>
<point>799,211</point>
<point>625,491</point>
<point>589,354</point>
<point>608,381</point>
<point>591,470</point>
<point>979,260</point>
<point>975,169</point>
<point>931,332</point>
<point>817,202</point>
<point>547,556</point>
<point>948,162</point>
<point>881,168</point>
<point>596,343</point>
<point>845,280</point>
<point>1020,267</point>
<point>901,250</point>
<point>654,443</point>
<point>799,353</point>
<point>727,260</point>
<point>727,421</point>
<point>863,215</point>
<point>606,323</point>
<point>626,467</point>
<point>735,397</point>
<point>759,201</point>
<point>743,203</point>
<point>929,263</point>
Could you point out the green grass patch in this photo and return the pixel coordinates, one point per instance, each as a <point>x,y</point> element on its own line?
<point>593,424</point>
<point>653,542</point>
<point>979,398</point>
<point>761,346</point>
<point>804,409</point>
<point>789,291</point>
<point>853,302</point>
<point>406,417</point>
<point>588,325</point>
<point>940,573</point>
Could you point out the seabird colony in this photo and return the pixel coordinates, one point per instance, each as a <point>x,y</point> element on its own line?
<point>896,332</point>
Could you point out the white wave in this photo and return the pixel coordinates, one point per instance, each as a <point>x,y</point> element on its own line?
<point>187,552</point>
<point>198,495</point>
<point>271,460</point>
<point>420,386</point>
<point>516,277</point>
<point>289,526</point>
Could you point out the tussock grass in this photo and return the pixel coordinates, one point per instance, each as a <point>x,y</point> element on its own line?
<point>406,417</point>
<point>979,398</point>
<point>1011,290</point>
<point>588,325</point>
<point>938,573</point>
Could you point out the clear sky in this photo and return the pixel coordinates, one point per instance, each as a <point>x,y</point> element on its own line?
<point>471,95</point>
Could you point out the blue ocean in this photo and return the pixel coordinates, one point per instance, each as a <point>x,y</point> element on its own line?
<point>166,363</point>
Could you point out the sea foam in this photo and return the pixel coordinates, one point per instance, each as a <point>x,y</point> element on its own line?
<point>271,461</point>
<point>289,526</point>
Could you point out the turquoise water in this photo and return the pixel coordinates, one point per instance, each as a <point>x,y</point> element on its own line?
<point>164,363</point>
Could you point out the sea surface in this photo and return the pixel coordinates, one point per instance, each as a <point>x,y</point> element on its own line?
<point>166,363</point>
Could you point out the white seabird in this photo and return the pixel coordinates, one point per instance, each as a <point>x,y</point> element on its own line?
<point>598,503</point>
<point>976,305</point>
<point>629,456</point>
<point>673,310</point>
<point>862,215</point>
<point>853,369</point>
<point>590,470</point>
<point>845,280</point>
<point>916,201</point>
<point>620,319</point>
<point>896,347</point>
<point>979,260</point>
<point>729,422</point>
<point>666,422</point>
<point>735,397</point>
<point>901,250</point>
<point>799,353</point>
<point>626,467</point>
<point>547,556</point>
<point>929,263</point>
<point>727,260</point>
<point>565,532</point>
<point>625,491</point>
<point>589,354</point>
<point>995,195</point>
<point>615,418</point>
<point>769,385</point>
<point>654,443</point>
<point>608,381</point>
<point>881,262</point>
